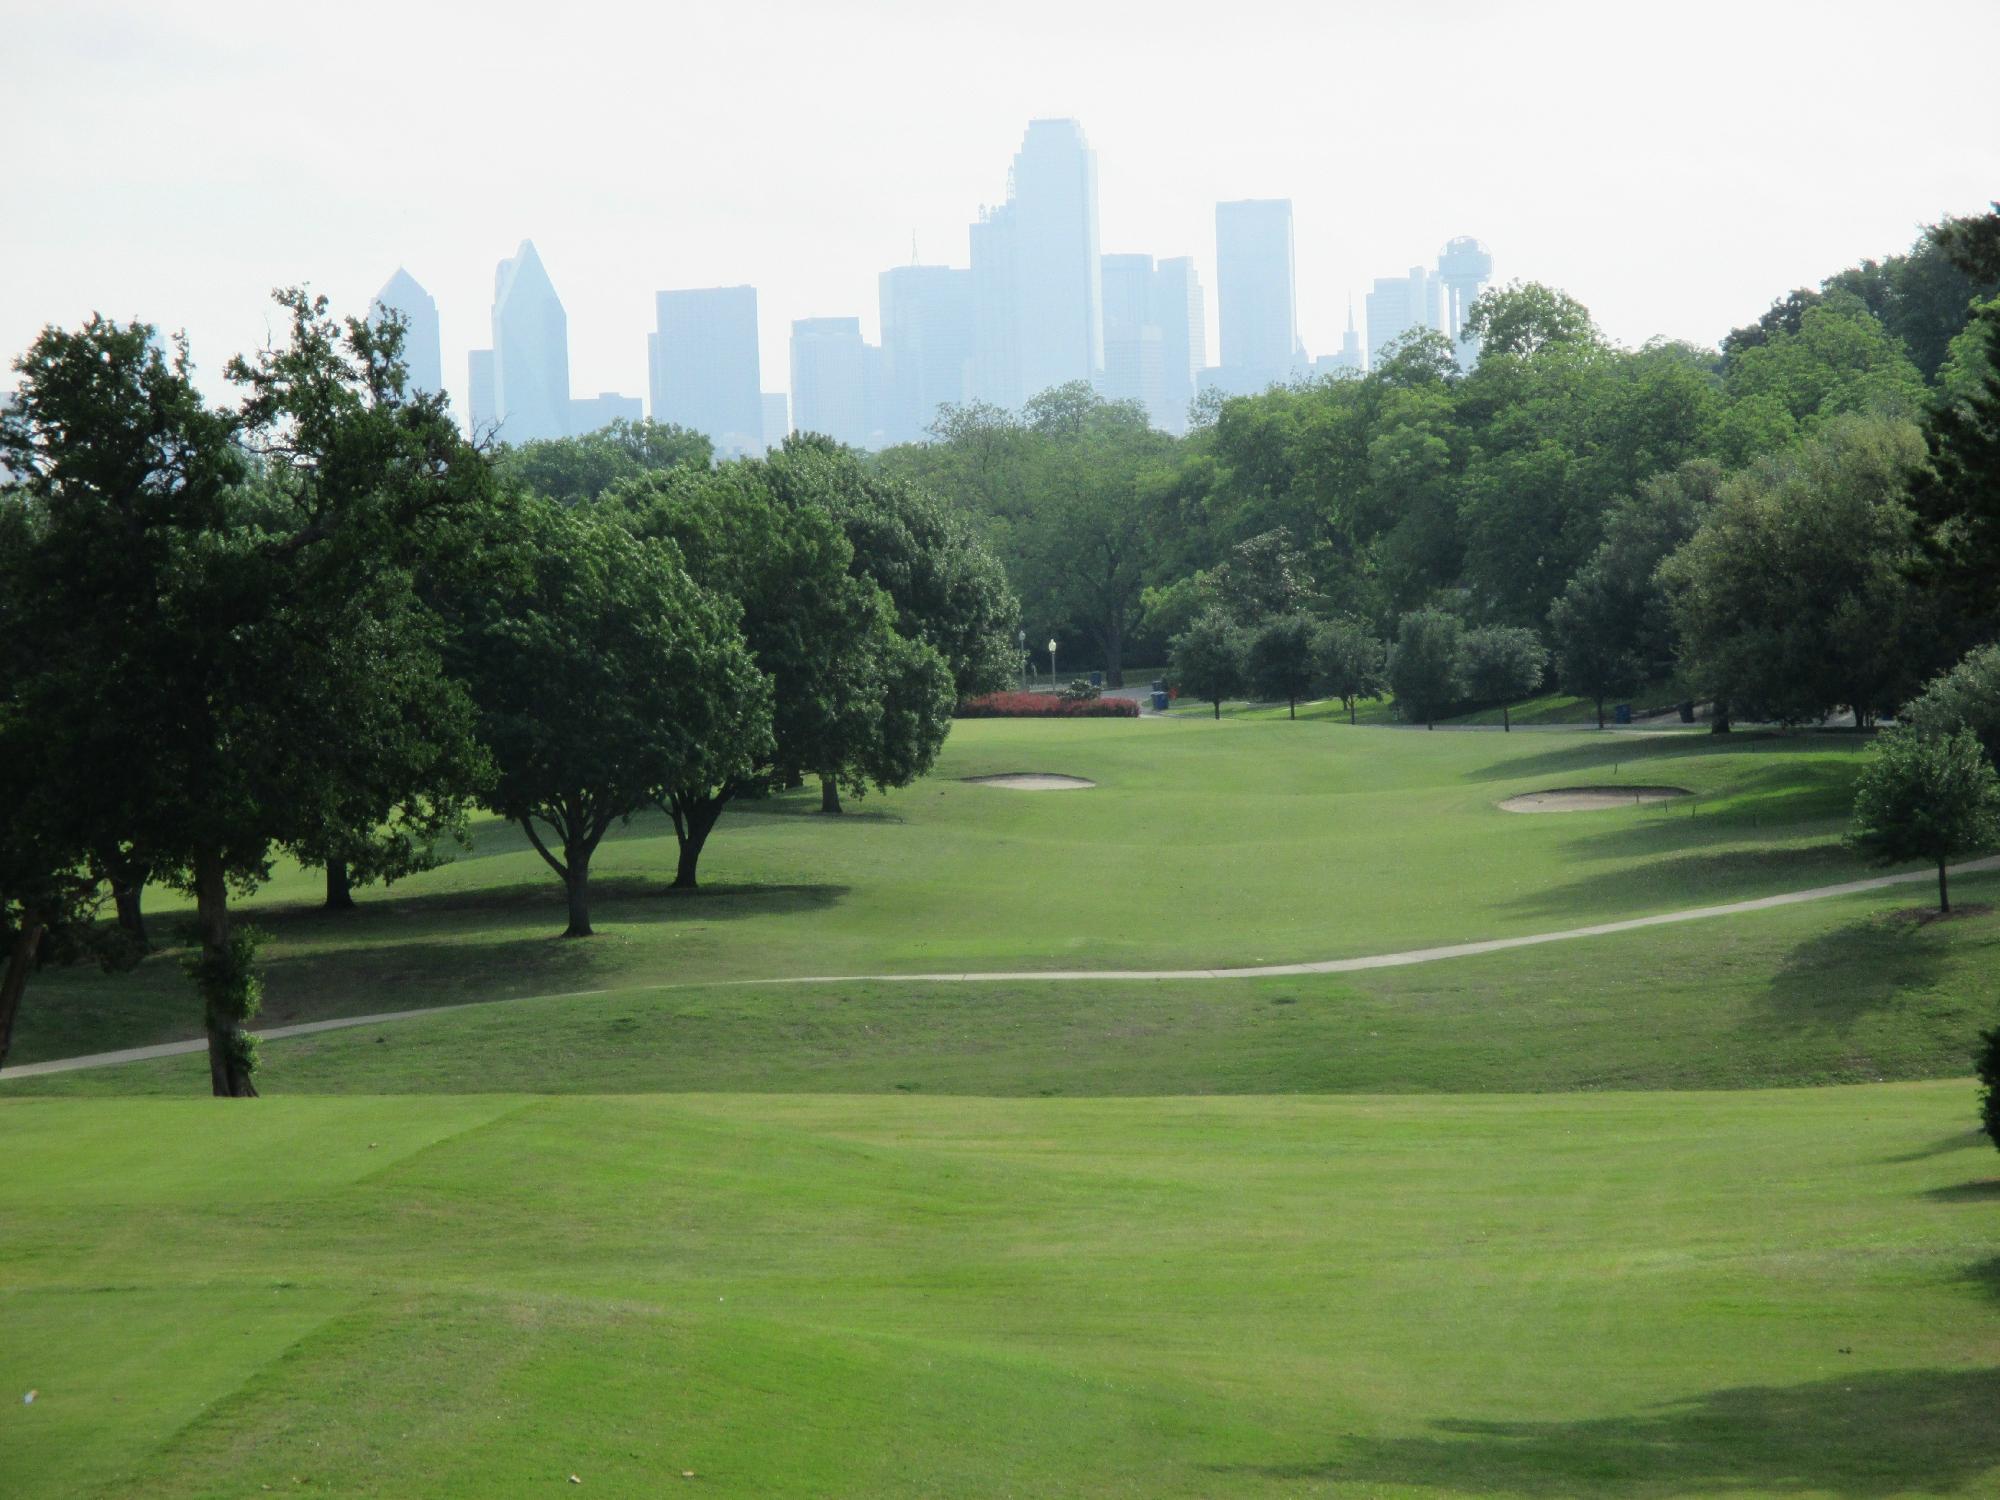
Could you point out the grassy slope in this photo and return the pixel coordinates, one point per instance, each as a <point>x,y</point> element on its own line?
<point>1205,844</point>
<point>1638,1295</point>
<point>1849,990</point>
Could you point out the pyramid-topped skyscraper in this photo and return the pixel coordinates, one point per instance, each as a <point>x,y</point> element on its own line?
<point>422,353</point>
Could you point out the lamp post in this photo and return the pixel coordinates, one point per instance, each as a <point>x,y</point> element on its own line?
<point>1052,663</point>
<point>1026,660</point>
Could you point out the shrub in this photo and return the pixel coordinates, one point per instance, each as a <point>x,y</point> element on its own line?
<point>1082,690</point>
<point>1989,1078</point>
<point>1045,706</point>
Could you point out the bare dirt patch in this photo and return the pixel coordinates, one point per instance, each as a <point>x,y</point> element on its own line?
<point>1033,781</point>
<point>1590,798</point>
<point>1923,916</point>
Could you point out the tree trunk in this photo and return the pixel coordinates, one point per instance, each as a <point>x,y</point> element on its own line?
<point>576,881</point>
<point>1294,708</point>
<point>829,795</point>
<point>1719,723</point>
<point>1114,657</point>
<point>131,918</point>
<point>339,886</point>
<point>14,983</point>
<point>693,822</point>
<point>228,1044</point>
<point>1218,709</point>
<point>1600,712</point>
<point>1944,893</point>
<point>1506,719</point>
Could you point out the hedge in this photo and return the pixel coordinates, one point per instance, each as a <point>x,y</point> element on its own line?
<point>1045,706</point>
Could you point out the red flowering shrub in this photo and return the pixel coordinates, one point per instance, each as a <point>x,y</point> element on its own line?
<point>1045,706</point>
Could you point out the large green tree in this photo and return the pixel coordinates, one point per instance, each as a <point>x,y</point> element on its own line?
<point>1208,657</point>
<point>209,637</point>
<point>1502,664</point>
<point>607,677</point>
<point>1793,599</point>
<point>1281,660</point>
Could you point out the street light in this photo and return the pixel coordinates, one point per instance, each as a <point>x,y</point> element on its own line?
<point>1052,661</point>
<point>1025,658</point>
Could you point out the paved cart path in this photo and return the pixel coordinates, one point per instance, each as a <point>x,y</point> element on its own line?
<point>1018,976</point>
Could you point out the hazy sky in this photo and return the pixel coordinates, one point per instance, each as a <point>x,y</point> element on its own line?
<point>1674,166</point>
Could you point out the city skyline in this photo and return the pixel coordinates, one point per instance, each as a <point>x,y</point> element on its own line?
<point>1621,215</point>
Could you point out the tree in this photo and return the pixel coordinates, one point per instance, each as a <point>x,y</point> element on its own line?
<point>845,683</point>
<point>334,423</point>
<point>1793,598</point>
<point>1424,666</point>
<point>1208,658</point>
<point>577,469</point>
<point>948,589</point>
<point>1966,697</point>
<point>207,637</point>
<point>1266,577</point>
<point>1958,496</point>
<point>1501,663</point>
<point>1523,318</point>
<point>1927,796</point>
<point>1589,624</point>
<point>606,678</point>
<point>1351,662</point>
<point>1280,659</point>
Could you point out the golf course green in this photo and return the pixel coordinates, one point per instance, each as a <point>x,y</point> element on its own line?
<point>1693,1209</point>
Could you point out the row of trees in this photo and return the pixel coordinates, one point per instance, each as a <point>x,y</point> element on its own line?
<point>322,623</point>
<point>1799,523</point>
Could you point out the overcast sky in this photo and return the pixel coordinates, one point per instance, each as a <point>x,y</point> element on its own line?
<point>1674,166</point>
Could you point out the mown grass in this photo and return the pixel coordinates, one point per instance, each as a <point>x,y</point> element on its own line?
<point>1844,991</point>
<point>1632,1295</point>
<point>1203,845</point>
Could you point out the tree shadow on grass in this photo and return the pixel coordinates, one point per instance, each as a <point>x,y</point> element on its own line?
<point>1878,1433</point>
<point>1966,1192</point>
<point>1836,978</point>
<point>1600,754</point>
<point>1672,882</point>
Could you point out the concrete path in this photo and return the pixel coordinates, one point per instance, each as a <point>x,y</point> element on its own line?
<point>1020,976</point>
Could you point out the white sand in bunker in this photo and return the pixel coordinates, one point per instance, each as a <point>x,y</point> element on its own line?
<point>1590,798</point>
<point>1033,781</point>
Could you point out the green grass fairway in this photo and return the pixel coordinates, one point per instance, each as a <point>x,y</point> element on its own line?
<point>1204,844</point>
<point>1848,990</point>
<point>1638,1295</point>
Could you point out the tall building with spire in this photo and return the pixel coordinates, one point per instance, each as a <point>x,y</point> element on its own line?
<point>1039,313</point>
<point>1256,288</point>
<point>423,356</point>
<point>1350,356</point>
<point>530,350</point>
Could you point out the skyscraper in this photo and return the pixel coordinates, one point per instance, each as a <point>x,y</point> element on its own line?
<point>1397,305</point>
<point>530,350</point>
<point>1133,357</point>
<point>830,379</point>
<point>588,414</point>
<point>1183,320</point>
<point>927,343</point>
<point>777,418</point>
<point>1464,266</point>
<point>422,356</point>
<point>1039,314</point>
<point>1256,291</point>
<point>704,366</point>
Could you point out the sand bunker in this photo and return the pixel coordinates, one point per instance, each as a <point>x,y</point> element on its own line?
<point>1033,781</point>
<point>1589,798</point>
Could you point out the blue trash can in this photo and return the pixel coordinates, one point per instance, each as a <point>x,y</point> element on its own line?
<point>1097,679</point>
<point>1622,714</point>
<point>1159,701</point>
